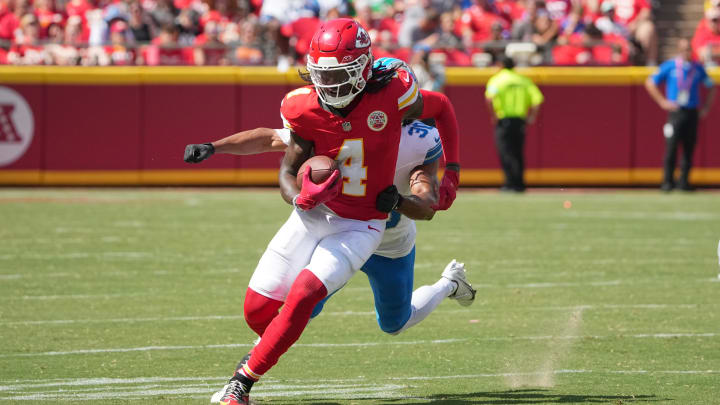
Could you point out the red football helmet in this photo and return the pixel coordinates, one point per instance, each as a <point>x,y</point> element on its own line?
<point>339,61</point>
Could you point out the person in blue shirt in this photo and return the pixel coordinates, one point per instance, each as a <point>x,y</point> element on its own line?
<point>682,77</point>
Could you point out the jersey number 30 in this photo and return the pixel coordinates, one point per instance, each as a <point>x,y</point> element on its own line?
<point>352,167</point>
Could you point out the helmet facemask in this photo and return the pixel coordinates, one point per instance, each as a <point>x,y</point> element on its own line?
<point>338,84</point>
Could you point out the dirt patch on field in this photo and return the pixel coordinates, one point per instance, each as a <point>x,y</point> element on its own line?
<point>558,349</point>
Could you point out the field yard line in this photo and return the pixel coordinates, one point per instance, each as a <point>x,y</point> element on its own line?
<point>126,273</point>
<point>550,285</point>
<point>225,346</point>
<point>80,255</point>
<point>172,318</point>
<point>273,382</point>
<point>679,216</point>
<point>70,296</point>
<point>118,350</point>
<point>461,376</point>
<point>35,275</point>
<point>617,306</point>
<point>270,388</point>
<point>104,296</point>
<point>218,384</point>
<point>265,387</point>
<point>350,313</point>
<point>355,289</point>
<point>673,335</point>
<point>295,391</point>
<point>128,320</point>
<point>104,382</point>
<point>637,336</point>
<point>439,341</point>
<point>365,344</point>
<point>343,313</point>
<point>533,373</point>
<point>99,381</point>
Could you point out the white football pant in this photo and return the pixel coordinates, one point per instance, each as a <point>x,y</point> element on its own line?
<point>331,247</point>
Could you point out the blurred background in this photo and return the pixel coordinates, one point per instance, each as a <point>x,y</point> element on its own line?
<point>138,79</point>
<point>277,32</point>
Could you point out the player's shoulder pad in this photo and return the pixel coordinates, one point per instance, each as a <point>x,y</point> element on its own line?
<point>296,102</point>
<point>405,87</point>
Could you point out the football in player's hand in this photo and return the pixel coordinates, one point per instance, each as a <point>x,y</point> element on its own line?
<point>322,168</point>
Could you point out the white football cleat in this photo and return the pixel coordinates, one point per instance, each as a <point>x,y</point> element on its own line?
<point>464,293</point>
<point>215,399</point>
<point>235,392</point>
<point>218,396</point>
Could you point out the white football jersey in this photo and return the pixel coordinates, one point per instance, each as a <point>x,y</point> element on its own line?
<point>419,144</point>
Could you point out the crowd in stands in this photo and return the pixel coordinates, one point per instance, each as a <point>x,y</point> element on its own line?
<point>706,41</point>
<point>278,32</point>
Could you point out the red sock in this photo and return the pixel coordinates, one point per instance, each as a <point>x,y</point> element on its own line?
<point>260,311</point>
<point>286,328</point>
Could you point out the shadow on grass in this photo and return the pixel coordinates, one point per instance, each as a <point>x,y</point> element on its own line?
<point>532,396</point>
<point>522,396</point>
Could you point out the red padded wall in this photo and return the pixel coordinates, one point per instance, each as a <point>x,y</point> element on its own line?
<point>259,106</point>
<point>174,116</point>
<point>92,127</point>
<point>477,144</point>
<point>140,126</point>
<point>586,127</point>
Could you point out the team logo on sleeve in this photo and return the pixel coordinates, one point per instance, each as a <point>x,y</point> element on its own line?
<point>377,120</point>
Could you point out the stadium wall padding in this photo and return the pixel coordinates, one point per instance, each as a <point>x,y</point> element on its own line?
<point>129,126</point>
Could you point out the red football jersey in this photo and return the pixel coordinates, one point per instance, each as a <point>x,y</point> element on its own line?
<point>365,143</point>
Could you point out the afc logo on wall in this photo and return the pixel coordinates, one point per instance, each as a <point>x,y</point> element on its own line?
<point>16,126</point>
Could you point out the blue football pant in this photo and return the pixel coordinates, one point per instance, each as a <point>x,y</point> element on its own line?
<point>391,281</point>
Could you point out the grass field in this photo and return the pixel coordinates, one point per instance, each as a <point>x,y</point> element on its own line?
<point>135,296</point>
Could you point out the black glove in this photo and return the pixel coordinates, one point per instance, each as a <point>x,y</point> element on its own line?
<point>196,153</point>
<point>388,199</point>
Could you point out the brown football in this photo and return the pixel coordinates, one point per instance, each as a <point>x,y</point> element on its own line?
<point>322,168</point>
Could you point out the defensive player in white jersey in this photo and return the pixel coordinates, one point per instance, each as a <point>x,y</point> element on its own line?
<point>390,269</point>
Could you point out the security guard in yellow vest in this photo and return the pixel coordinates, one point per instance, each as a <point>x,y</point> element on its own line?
<point>513,100</point>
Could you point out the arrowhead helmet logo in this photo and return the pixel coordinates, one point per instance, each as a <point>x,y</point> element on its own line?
<point>362,40</point>
<point>16,126</point>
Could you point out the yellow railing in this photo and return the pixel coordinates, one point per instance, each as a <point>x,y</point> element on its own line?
<point>269,75</point>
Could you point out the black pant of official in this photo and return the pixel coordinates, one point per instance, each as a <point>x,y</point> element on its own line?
<point>510,143</point>
<point>681,128</point>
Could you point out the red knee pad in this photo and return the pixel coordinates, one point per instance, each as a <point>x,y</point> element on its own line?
<point>306,292</point>
<point>260,311</point>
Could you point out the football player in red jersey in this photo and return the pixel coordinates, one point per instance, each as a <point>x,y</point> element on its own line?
<point>339,223</point>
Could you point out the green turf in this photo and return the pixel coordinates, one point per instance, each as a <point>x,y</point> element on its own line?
<point>612,301</point>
